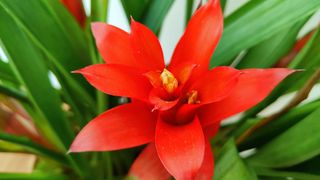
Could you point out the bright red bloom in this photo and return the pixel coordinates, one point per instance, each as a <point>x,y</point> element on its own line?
<point>75,7</point>
<point>175,109</point>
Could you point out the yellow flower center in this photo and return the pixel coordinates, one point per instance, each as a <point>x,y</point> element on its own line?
<point>193,97</point>
<point>169,82</point>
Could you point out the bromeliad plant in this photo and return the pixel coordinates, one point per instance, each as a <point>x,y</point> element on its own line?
<point>176,110</point>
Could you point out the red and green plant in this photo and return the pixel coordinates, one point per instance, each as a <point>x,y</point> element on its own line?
<point>164,119</point>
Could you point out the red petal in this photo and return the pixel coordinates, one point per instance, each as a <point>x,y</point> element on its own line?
<point>200,38</point>
<point>117,80</point>
<point>253,86</point>
<point>125,126</point>
<point>146,47</point>
<point>183,72</point>
<point>148,165</point>
<point>207,167</point>
<point>114,45</point>
<point>216,84</point>
<point>180,148</point>
<point>159,103</point>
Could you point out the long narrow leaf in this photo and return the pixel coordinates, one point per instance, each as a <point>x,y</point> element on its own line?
<point>257,21</point>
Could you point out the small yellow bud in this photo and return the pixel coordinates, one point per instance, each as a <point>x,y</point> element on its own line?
<point>169,82</point>
<point>193,97</point>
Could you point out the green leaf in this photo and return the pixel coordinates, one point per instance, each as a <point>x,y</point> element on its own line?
<point>12,92</point>
<point>45,100</point>
<point>311,166</point>
<point>230,166</point>
<point>34,77</point>
<point>55,32</point>
<point>32,176</point>
<point>32,147</point>
<point>268,52</point>
<point>6,73</point>
<point>156,13</point>
<point>276,127</point>
<point>189,7</point>
<point>307,59</point>
<point>150,13</point>
<point>257,21</point>
<point>135,8</point>
<point>285,174</point>
<point>299,143</point>
<point>99,10</point>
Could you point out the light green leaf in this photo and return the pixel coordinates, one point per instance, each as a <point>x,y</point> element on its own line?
<point>299,143</point>
<point>135,8</point>
<point>99,10</point>
<point>257,21</point>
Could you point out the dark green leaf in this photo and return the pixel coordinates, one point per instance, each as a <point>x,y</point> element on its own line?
<point>12,92</point>
<point>189,6</point>
<point>257,21</point>
<point>285,174</point>
<point>311,166</point>
<point>135,8</point>
<point>299,143</point>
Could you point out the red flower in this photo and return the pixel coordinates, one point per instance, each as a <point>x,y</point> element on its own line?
<point>75,7</point>
<point>174,109</point>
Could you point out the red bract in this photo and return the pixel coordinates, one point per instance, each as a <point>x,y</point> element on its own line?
<point>176,109</point>
<point>75,7</point>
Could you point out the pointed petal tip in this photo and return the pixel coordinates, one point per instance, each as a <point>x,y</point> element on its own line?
<point>76,71</point>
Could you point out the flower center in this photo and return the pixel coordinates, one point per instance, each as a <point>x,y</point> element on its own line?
<point>193,97</point>
<point>169,82</point>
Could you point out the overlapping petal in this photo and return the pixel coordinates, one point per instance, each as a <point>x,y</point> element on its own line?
<point>146,47</point>
<point>117,80</point>
<point>216,84</point>
<point>125,126</point>
<point>207,167</point>
<point>200,38</point>
<point>253,86</point>
<point>148,165</point>
<point>180,148</point>
<point>114,45</point>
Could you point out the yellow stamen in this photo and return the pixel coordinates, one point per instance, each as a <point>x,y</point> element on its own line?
<point>169,82</point>
<point>193,97</point>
